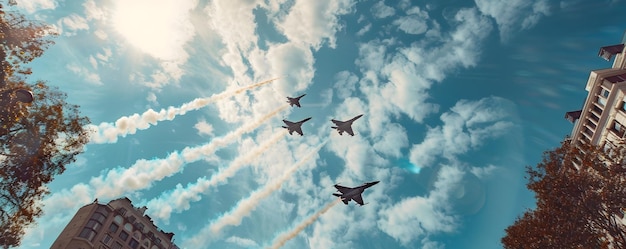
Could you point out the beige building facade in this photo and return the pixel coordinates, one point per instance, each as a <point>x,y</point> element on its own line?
<point>115,225</point>
<point>602,120</point>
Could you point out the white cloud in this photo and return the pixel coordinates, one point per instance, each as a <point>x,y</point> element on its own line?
<point>93,62</point>
<point>482,172</point>
<point>414,23</point>
<point>296,62</point>
<point>416,217</point>
<point>312,22</point>
<point>242,242</point>
<point>380,10</point>
<point>513,15</point>
<point>152,98</point>
<point>395,81</point>
<point>345,84</point>
<point>101,34</point>
<point>464,128</point>
<point>90,77</point>
<point>32,6</point>
<point>364,30</point>
<point>93,11</point>
<point>71,24</point>
<point>204,128</point>
<point>105,55</point>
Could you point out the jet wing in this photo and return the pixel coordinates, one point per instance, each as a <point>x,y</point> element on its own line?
<point>342,189</point>
<point>298,103</point>
<point>337,122</point>
<point>298,129</point>
<point>289,123</point>
<point>358,199</point>
<point>349,130</point>
<point>345,201</point>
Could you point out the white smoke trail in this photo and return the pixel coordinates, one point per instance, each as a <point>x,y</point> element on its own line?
<point>109,132</point>
<point>245,206</point>
<point>144,172</point>
<point>119,181</point>
<point>179,199</point>
<point>283,238</point>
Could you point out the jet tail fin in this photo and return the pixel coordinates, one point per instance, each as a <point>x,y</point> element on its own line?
<point>334,127</point>
<point>338,195</point>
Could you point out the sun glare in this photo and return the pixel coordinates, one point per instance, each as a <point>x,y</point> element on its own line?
<point>159,28</point>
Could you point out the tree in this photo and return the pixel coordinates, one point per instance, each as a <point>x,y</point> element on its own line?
<point>21,41</point>
<point>580,196</point>
<point>37,139</point>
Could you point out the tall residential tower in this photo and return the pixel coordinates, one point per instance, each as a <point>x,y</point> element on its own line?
<point>602,121</point>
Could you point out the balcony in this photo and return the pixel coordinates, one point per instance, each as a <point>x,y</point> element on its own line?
<point>608,51</point>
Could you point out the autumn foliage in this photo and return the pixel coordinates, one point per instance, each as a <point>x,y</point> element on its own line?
<point>37,139</point>
<point>580,192</point>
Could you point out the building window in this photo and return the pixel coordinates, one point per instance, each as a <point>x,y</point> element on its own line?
<point>103,210</point>
<point>601,101</point>
<point>107,240</point>
<point>122,211</point>
<point>137,235</point>
<point>99,217</point>
<point>119,219</point>
<point>618,128</point>
<point>94,224</point>
<point>604,93</point>
<point>113,228</point>
<point>123,235</point>
<point>87,233</point>
<point>116,245</point>
<point>133,243</point>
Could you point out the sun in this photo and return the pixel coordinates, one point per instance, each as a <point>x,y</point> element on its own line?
<point>159,28</point>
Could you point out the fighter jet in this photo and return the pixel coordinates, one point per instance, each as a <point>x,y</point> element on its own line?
<point>348,194</point>
<point>294,101</point>
<point>345,126</point>
<point>297,126</point>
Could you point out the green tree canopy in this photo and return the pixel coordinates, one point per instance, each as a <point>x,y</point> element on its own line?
<point>580,195</point>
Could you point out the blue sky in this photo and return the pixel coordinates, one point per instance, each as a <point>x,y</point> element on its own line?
<point>457,96</point>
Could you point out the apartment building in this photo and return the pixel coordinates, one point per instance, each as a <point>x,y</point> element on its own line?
<point>115,225</point>
<point>602,120</point>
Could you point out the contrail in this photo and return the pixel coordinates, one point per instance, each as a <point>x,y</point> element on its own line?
<point>109,132</point>
<point>179,199</point>
<point>144,172</point>
<point>118,181</point>
<point>245,206</point>
<point>283,238</point>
